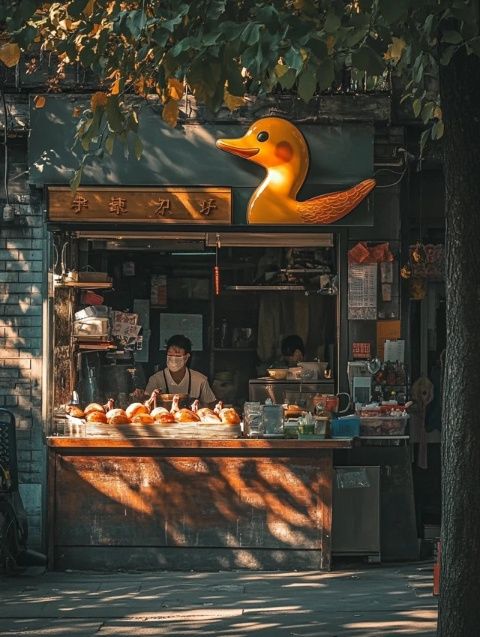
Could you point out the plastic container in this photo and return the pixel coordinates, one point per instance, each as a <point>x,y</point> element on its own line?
<point>272,420</point>
<point>347,427</point>
<point>383,425</point>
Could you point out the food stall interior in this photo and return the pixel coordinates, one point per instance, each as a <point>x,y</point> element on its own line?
<point>235,303</point>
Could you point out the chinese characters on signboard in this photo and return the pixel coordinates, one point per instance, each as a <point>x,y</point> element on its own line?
<point>165,205</point>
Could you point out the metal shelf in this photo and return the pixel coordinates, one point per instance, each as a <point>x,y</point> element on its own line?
<point>86,285</point>
<point>305,270</point>
<point>264,288</point>
<point>277,288</point>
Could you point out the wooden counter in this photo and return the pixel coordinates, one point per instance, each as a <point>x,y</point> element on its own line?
<point>150,503</point>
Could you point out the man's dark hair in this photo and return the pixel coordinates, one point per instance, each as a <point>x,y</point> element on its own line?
<point>292,343</point>
<point>179,340</point>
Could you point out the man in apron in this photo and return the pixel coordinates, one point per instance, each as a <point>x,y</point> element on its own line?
<point>177,378</point>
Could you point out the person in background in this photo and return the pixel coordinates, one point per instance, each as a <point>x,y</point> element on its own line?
<point>293,350</point>
<point>177,377</point>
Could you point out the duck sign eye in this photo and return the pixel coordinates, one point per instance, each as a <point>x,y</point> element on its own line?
<point>263,136</point>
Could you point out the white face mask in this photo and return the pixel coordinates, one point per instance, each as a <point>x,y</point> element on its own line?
<point>175,363</point>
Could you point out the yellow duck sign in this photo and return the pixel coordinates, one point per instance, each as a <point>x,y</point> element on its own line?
<point>280,147</point>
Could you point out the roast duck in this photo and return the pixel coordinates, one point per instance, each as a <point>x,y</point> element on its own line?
<point>148,413</point>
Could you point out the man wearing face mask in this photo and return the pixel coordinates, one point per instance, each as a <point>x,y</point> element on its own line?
<point>177,378</point>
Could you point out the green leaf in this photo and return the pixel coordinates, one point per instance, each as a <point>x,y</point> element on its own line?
<point>332,23</point>
<point>365,59</point>
<point>169,25</point>
<point>209,39</point>
<point>215,9</point>
<point>252,59</point>
<point>438,129</point>
<point>307,83</point>
<point>186,44</point>
<point>268,15</point>
<point>418,70</point>
<point>160,37</point>
<point>136,22</point>
<point>447,55</point>
<point>428,25</point>
<point>75,180</point>
<point>231,30</point>
<point>355,36</point>
<point>326,74</point>
<point>25,37</point>
<point>423,140</point>
<point>114,114</point>
<point>452,37</point>
<point>417,106</point>
<point>109,143</point>
<point>138,147</point>
<point>474,44</point>
<point>288,79</point>
<point>427,111</point>
<point>251,33</point>
<point>133,122</point>
<point>280,70</point>
<point>90,130</point>
<point>294,59</point>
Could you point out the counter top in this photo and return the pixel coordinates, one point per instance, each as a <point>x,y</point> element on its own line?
<point>246,444</point>
<point>295,381</point>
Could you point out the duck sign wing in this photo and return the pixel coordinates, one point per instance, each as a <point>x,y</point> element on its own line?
<point>333,206</point>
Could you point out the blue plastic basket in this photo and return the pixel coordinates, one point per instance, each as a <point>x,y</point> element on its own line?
<point>348,427</point>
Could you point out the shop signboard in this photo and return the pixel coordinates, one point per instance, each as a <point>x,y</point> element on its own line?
<point>339,164</point>
<point>160,206</point>
<point>279,147</point>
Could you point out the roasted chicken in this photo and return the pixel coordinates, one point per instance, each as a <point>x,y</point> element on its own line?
<point>208,416</point>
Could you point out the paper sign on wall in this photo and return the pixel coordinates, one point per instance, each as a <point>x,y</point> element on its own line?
<point>362,291</point>
<point>190,325</point>
<point>386,330</point>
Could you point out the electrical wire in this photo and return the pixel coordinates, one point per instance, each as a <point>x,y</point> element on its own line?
<point>402,175</point>
<point>5,124</point>
<point>389,170</point>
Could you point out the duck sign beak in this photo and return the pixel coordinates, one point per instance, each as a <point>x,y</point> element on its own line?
<point>229,147</point>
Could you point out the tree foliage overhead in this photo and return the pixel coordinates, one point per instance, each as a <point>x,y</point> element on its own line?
<point>219,50</point>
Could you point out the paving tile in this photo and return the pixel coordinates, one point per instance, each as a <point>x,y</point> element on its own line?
<point>52,628</point>
<point>421,623</point>
<point>379,601</point>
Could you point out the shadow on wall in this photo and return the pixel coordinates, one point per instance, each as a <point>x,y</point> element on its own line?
<point>20,350</point>
<point>185,155</point>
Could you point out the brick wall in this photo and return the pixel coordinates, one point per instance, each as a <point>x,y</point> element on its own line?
<point>21,299</point>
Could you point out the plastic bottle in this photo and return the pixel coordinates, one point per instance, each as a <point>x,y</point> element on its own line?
<point>224,333</point>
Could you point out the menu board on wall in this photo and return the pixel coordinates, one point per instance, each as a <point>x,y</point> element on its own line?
<point>190,325</point>
<point>362,291</point>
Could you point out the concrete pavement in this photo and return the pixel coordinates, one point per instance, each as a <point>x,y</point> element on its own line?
<point>373,601</point>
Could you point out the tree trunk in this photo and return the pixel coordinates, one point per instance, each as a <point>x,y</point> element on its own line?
<point>460,571</point>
